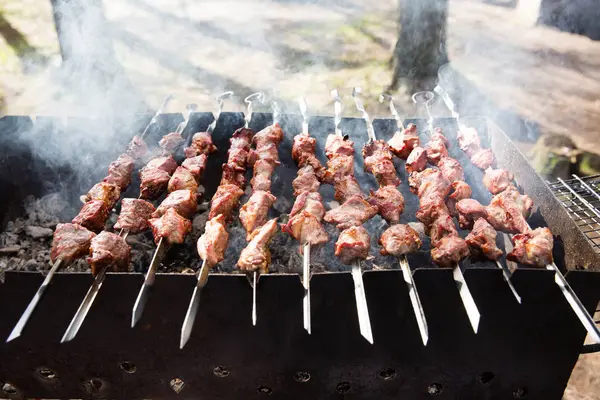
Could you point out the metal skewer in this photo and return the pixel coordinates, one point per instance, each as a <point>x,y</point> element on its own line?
<point>18,329</point>
<point>359,289</point>
<point>90,296</point>
<point>413,294</point>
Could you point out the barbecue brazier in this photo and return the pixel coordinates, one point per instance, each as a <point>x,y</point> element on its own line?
<point>523,350</point>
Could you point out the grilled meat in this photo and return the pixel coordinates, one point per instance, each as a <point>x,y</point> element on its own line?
<point>431,207</point>
<point>442,227</point>
<point>469,141</point>
<point>137,148</point>
<point>338,168</point>
<point>266,152</point>
<point>432,181</point>
<point>238,159</point>
<point>311,202</point>
<point>201,144</point>
<point>402,143</point>
<point>512,195</point>
<point>305,227</point>
<point>399,239</point>
<point>469,210</point>
<point>438,136</point>
<point>459,190</point>
<point>451,169</point>
<point>436,150</point>
<point>165,163</point>
<point>512,220</point>
<point>232,176</point>
<point>171,142</point>
<point>347,188</point>
<point>338,146</point>
<point>70,242</point>
<point>171,226</point>
<point>183,201</point>
<point>119,171</point>
<point>390,203</point>
<point>134,216</point>
<point>154,181</point>
<point>305,181</point>
<point>352,244</point>
<point>483,159</point>
<point>241,138</point>
<point>182,179</point>
<point>108,193</point>
<point>272,134</point>
<point>92,215</point>
<point>355,211</point>
<point>533,248</point>
<point>213,242</point>
<point>417,160</point>
<point>497,180</point>
<point>378,161</point>
<point>256,256</point>
<point>255,212</point>
<point>225,199</point>
<point>303,145</point>
<point>109,250</point>
<point>449,251</point>
<point>263,170</point>
<point>482,240</point>
<point>196,165</point>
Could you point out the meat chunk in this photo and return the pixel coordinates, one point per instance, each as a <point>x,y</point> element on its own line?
<point>272,134</point>
<point>438,136</point>
<point>238,159</point>
<point>182,179</point>
<point>226,198</point>
<point>305,181</point>
<point>263,170</point>
<point>92,215</point>
<point>353,244</point>
<point>355,211</point>
<point>171,226</point>
<point>109,250</point>
<point>374,151</point>
<point>171,142</point>
<point>533,248</point>
<point>431,181</point>
<point>346,188</point>
<point>303,144</point>
<point>483,158</point>
<point>311,202</point>
<point>154,181</point>
<point>201,144</point>
<point>450,251</point>
<point>70,242</point>
<point>470,210</point>
<point>108,193</point>
<point>385,173</point>
<point>257,256</point>
<point>196,165</point>
<point>436,149</point>
<point>266,152</point>
<point>459,190</point>
<point>255,212</point>
<point>497,180</point>
<point>482,240</point>
<point>513,220</point>
<point>402,143</point>
<point>119,171</point>
<point>417,160</point>
<point>306,228</point>
<point>442,227</point>
<point>134,216</point>
<point>399,239</point>
<point>339,167</point>
<point>431,207</point>
<point>183,201</point>
<point>451,169</point>
<point>233,176</point>
<point>311,160</point>
<point>512,196</point>
<point>469,141</point>
<point>137,148</point>
<point>213,242</point>
<point>338,146</point>
<point>165,163</point>
<point>390,203</point>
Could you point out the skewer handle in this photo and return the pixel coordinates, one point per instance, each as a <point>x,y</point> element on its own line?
<point>337,107</point>
<point>385,96</point>
<point>304,112</point>
<point>360,107</point>
<point>158,112</point>
<point>249,108</point>
<point>306,284</point>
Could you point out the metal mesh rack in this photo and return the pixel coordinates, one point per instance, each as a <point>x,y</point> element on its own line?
<point>581,198</point>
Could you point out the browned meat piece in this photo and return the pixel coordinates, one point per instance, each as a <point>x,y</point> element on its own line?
<point>70,242</point>
<point>390,203</point>
<point>272,134</point>
<point>440,228</point>
<point>263,170</point>
<point>226,198</point>
<point>431,207</point>
<point>165,163</point>
<point>238,159</point>
<point>267,152</point>
<point>338,167</point>
<point>417,160</point>
<point>497,180</point>
<point>241,139</point>
<point>438,135</point>
<point>183,201</point>
<point>306,228</point>
<point>171,226</point>
<point>182,179</point>
<point>106,192</point>
<point>303,145</point>
<point>305,181</point>
<point>213,242</point>
<point>432,181</point>
<point>451,169</point>
<point>202,143</point>
<point>355,211</point>
<point>255,212</point>
<point>137,148</point>
<point>171,142</point>
<point>512,195</point>
<point>449,251</point>
<point>134,216</point>
<point>353,244</point>
<point>232,176</point>
<point>459,191</point>
<point>399,239</point>
<point>483,159</point>
<point>256,256</point>
<point>196,165</point>
<point>109,250</point>
<point>385,173</point>
<point>469,141</point>
<point>338,146</point>
<point>533,248</point>
<point>311,202</point>
<point>154,181</point>
<point>119,171</point>
<point>92,215</point>
<point>378,161</point>
<point>346,188</point>
<point>469,210</point>
<point>515,206</point>
<point>436,149</point>
<point>311,160</point>
<point>402,143</point>
<point>482,240</point>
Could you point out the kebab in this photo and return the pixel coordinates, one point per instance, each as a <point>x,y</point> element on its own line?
<point>353,242</point>
<point>213,242</point>
<point>109,251</point>
<point>72,240</point>
<point>304,222</point>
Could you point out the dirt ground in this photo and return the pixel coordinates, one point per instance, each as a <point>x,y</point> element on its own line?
<point>197,49</point>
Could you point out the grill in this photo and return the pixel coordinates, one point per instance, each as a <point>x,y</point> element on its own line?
<point>523,350</point>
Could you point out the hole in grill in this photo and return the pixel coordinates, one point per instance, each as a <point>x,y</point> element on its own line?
<point>387,374</point>
<point>486,377</point>
<point>9,389</point>
<point>46,373</point>
<point>520,393</point>
<point>220,371</point>
<point>301,376</point>
<point>128,367</point>
<point>177,385</point>
<point>93,385</point>
<point>265,390</point>
<point>343,387</point>
<point>435,388</point>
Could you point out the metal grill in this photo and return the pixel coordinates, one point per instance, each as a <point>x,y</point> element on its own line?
<point>581,198</point>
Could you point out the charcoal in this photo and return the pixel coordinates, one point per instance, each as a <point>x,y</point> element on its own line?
<point>38,232</point>
<point>10,249</point>
<point>30,265</point>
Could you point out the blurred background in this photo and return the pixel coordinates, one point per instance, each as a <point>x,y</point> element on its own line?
<point>533,66</point>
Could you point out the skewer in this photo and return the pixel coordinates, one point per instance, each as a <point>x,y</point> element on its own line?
<point>584,316</point>
<point>407,274</point>
<point>359,290</point>
<point>142,298</point>
<point>90,296</point>
<point>22,322</point>
<point>425,99</point>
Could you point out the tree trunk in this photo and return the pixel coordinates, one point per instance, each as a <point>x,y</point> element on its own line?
<point>421,46</point>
